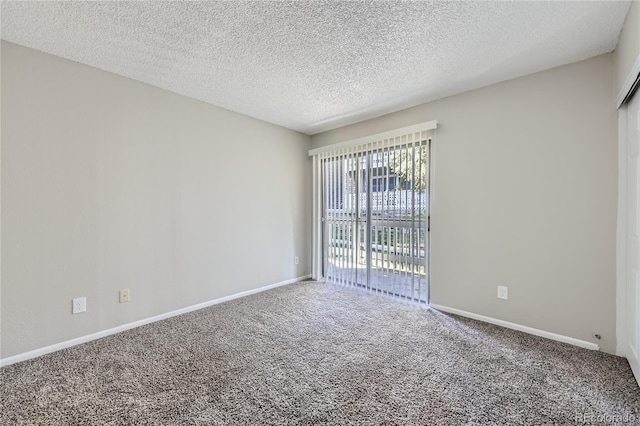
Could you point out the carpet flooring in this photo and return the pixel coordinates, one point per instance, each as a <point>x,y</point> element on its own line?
<point>313,353</point>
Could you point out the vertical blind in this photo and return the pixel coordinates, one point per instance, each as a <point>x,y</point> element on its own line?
<point>371,213</point>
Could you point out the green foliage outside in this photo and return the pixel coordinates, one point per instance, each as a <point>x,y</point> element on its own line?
<point>410,163</point>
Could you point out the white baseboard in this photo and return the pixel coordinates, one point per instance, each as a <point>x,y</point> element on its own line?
<point>83,339</point>
<point>514,326</point>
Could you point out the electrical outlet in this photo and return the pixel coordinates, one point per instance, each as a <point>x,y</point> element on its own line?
<point>124,295</point>
<point>503,292</point>
<point>79,305</point>
<point>296,260</point>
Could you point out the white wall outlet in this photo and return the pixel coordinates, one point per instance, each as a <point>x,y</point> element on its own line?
<point>296,260</point>
<point>124,295</point>
<point>79,305</point>
<point>503,292</point>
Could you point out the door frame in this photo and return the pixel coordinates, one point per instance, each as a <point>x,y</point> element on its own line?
<point>621,235</point>
<point>621,229</point>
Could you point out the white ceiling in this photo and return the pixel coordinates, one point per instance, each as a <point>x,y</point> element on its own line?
<point>314,66</point>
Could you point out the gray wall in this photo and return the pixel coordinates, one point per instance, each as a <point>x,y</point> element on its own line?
<point>525,187</point>
<point>108,183</point>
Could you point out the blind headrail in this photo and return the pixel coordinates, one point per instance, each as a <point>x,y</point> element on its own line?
<point>416,128</point>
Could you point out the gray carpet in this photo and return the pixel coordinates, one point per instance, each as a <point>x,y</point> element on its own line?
<point>314,353</point>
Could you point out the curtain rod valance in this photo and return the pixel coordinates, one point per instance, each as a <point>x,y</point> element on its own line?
<point>422,127</point>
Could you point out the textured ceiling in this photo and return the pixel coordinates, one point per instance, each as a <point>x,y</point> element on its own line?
<point>314,66</point>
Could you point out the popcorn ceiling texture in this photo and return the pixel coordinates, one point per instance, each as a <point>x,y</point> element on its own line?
<point>314,66</point>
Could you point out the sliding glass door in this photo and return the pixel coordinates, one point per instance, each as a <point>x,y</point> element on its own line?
<point>376,217</point>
